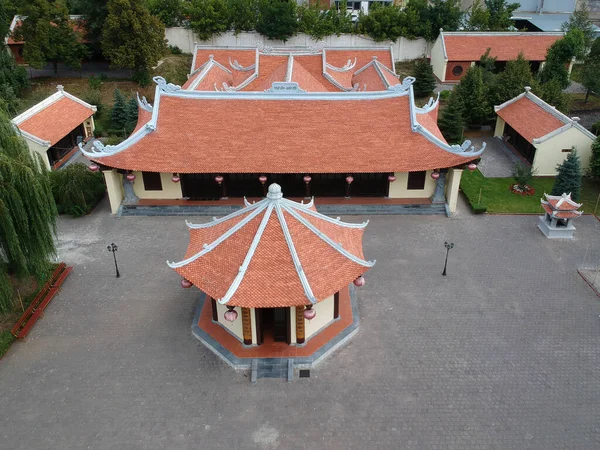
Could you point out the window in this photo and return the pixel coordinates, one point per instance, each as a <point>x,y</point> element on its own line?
<point>416,180</point>
<point>457,71</point>
<point>152,181</point>
<point>567,150</point>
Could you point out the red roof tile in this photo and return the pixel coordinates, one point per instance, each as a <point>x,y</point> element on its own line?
<point>503,47</point>
<point>241,135</point>
<point>429,121</point>
<point>370,80</point>
<point>529,119</point>
<point>244,57</point>
<point>271,278</point>
<point>57,120</point>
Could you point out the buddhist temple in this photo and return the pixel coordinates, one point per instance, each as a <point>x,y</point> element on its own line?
<point>329,123</point>
<point>277,277</point>
<point>560,212</point>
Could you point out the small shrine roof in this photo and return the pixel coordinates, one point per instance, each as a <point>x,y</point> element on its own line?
<point>53,118</point>
<point>273,253</point>
<point>561,206</point>
<point>536,120</point>
<point>504,46</point>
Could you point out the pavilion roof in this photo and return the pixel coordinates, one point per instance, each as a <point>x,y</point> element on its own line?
<point>273,253</point>
<point>285,130</point>
<point>536,120</point>
<point>561,206</point>
<point>504,46</point>
<point>53,118</point>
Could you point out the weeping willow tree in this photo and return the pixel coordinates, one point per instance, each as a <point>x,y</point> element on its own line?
<point>27,212</point>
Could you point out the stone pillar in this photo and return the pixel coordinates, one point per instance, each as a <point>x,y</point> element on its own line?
<point>300,325</point>
<point>114,189</point>
<point>499,131</point>
<point>452,186</point>
<point>440,185</point>
<point>130,197</point>
<point>247,326</point>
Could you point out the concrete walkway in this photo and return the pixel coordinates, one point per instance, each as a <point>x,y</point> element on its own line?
<point>497,160</point>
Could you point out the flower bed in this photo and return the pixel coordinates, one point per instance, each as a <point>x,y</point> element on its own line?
<point>522,190</point>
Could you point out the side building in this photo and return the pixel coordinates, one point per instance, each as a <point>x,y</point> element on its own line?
<point>318,122</point>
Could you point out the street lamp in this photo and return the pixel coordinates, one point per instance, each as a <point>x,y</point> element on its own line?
<point>113,248</point>
<point>448,247</point>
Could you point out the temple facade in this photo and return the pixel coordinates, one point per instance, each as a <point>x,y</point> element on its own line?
<point>276,271</point>
<point>319,122</point>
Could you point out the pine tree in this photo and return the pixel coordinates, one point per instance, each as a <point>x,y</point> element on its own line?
<point>512,80</point>
<point>132,115</point>
<point>451,120</point>
<point>594,169</point>
<point>568,179</point>
<point>425,81</point>
<point>553,94</point>
<point>500,14</point>
<point>119,111</point>
<point>13,79</point>
<point>590,76</point>
<point>27,211</point>
<point>474,97</point>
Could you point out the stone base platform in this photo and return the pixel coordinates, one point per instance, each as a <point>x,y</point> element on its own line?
<point>555,232</point>
<point>304,356</point>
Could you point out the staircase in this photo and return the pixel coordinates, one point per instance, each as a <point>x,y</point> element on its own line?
<point>272,368</point>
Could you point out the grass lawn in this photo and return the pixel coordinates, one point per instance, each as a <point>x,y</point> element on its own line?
<point>6,339</point>
<point>497,198</point>
<point>578,103</point>
<point>576,72</point>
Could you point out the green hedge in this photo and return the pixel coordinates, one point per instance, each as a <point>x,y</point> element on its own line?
<point>76,189</point>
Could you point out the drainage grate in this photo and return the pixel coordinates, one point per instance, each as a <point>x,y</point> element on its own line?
<point>304,373</point>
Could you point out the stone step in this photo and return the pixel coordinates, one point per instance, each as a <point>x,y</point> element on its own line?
<point>272,368</point>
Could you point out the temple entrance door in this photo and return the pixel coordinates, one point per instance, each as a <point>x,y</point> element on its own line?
<point>274,325</point>
<point>200,186</point>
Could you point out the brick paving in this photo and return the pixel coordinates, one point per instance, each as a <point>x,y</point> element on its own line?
<point>504,352</point>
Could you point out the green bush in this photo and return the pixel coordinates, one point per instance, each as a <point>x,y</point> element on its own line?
<point>445,94</point>
<point>113,138</point>
<point>523,174</point>
<point>76,189</point>
<point>479,209</point>
<point>94,97</point>
<point>175,50</point>
<point>94,82</point>
<point>596,128</point>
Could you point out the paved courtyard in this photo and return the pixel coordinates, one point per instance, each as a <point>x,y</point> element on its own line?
<point>503,353</point>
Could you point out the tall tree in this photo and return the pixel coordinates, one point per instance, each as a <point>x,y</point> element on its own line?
<point>27,210</point>
<point>443,14</point>
<point>119,111</point>
<point>243,15</point>
<point>500,14</point>
<point>277,19</point>
<point>553,94</point>
<point>95,12</point>
<point>13,79</point>
<point>168,11</point>
<point>478,18</point>
<point>560,54</point>
<point>451,122</point>
<point>512,80</point>
<point>208,18</point>
<point>49,36</point>
<point>383,23</point>
<point>594,170</point>
<point>7,12</point>
<point>568,179</point>
<point>590,76</point>
<point>474,97</point>
<point>424,80</point>
<point>580,20</point>
<point>132,37</point>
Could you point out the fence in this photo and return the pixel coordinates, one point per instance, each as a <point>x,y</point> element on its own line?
<point>403,49</point>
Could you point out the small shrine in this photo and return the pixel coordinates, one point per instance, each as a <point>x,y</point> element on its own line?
<point>560,212</point>
<point>277,279</point>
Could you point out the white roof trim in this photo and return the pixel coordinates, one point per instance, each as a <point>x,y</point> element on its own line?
<point>31,137</point>
<point>290,243</point>
<point>305,209</point>
<point>290,69</point>
<point>240,275</point>
<point>502,33</point>
<point>209,247</point>
<point>143,103</point>
<point>430,106</point>
<point>443,45</point>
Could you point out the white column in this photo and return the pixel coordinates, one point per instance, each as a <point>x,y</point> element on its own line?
<point>452,185</point>
<point>114,187</point>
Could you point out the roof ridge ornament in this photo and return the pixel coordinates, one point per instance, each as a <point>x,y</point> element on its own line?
<point>143,102</point>
<point>345,68</point>
<point>237,66</point>
<point>317,48</point>
<point>164,86</point>
<point>407,82</point>
<point>264,48</point>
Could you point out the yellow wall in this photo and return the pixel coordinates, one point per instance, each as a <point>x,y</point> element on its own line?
<point>452,185</point>
<point>549,153</point>
<point>324,315</point>
<point>499,131</point>
<point>170,190</point>
<point>437,59</point>
<point>398,188</point>
<point>234,327</point>
<point>42,150</point>
<point>114,187</point>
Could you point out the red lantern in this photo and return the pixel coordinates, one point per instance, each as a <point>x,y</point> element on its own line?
<point>349,179</point>
<point>309,313</point>
<point>175,178</point>
<point>435,175</point>
<point>186,284</point>
<point>391,178</point>
<point>230,315</point>
<point>262,179</point>
<point>472,167</point>
<point>94,167</point>
<point>307,179</point>
<point>359,281</point>
<point>130,177</point>
<point>219,179</point>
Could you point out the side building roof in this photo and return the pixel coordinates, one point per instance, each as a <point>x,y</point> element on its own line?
<point>504,46</point>
<point>285,130</point>
<point>536,120</point>
<point>53,118</point>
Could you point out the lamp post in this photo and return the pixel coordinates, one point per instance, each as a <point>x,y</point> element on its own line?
<point>448,247</point>
<point>113,248</point>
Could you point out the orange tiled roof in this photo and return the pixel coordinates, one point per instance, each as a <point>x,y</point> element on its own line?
<point>529,119</point>
<point>57,120</point>
<point>256,135</point>
<point>504,46</point>
<point>255,268</point>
